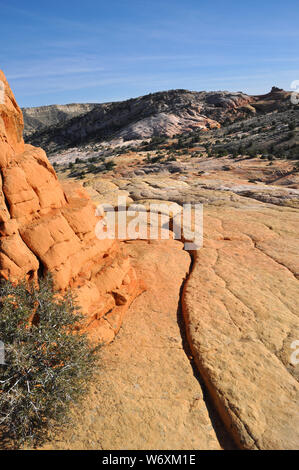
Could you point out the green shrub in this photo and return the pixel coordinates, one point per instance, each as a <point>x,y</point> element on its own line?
<point>171,158</point>
<point>154,159</point>
<point>92,159</point>
<point>91,168</point>
<point>47,361</point>
<point>110,165</point>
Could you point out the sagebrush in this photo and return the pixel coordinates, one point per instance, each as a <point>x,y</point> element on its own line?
<point>48,361</point>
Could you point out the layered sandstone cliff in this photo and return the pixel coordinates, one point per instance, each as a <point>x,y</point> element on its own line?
<point>45,227</point>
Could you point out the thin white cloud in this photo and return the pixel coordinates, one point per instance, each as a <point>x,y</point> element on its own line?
<point>49,73</point>
<point>64,67</point>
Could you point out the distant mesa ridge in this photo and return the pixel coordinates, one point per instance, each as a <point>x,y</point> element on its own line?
<point>41,117</point>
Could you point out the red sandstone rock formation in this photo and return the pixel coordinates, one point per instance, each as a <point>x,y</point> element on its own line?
<point>45,226</point>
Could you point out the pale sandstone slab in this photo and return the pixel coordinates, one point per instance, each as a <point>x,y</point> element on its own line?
<point>146,395</point>
<point>241,310</point>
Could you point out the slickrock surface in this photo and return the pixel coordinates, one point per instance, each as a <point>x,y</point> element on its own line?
<point>240,305</point>
<point>47,227</point>
<point>146,395</point>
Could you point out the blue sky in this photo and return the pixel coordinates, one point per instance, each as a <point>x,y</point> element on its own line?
<point>96,51</point>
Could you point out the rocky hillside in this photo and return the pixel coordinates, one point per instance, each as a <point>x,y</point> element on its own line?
<point>42,117</point>
<point>165,113</point>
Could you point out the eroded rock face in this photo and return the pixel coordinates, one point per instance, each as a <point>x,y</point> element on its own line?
<point>48,227</point>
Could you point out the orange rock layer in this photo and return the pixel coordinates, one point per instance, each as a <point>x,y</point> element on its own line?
<point>47,227</point>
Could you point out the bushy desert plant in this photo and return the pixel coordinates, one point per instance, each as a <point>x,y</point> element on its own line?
<point>48,362</point>
<point>110,165</point>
